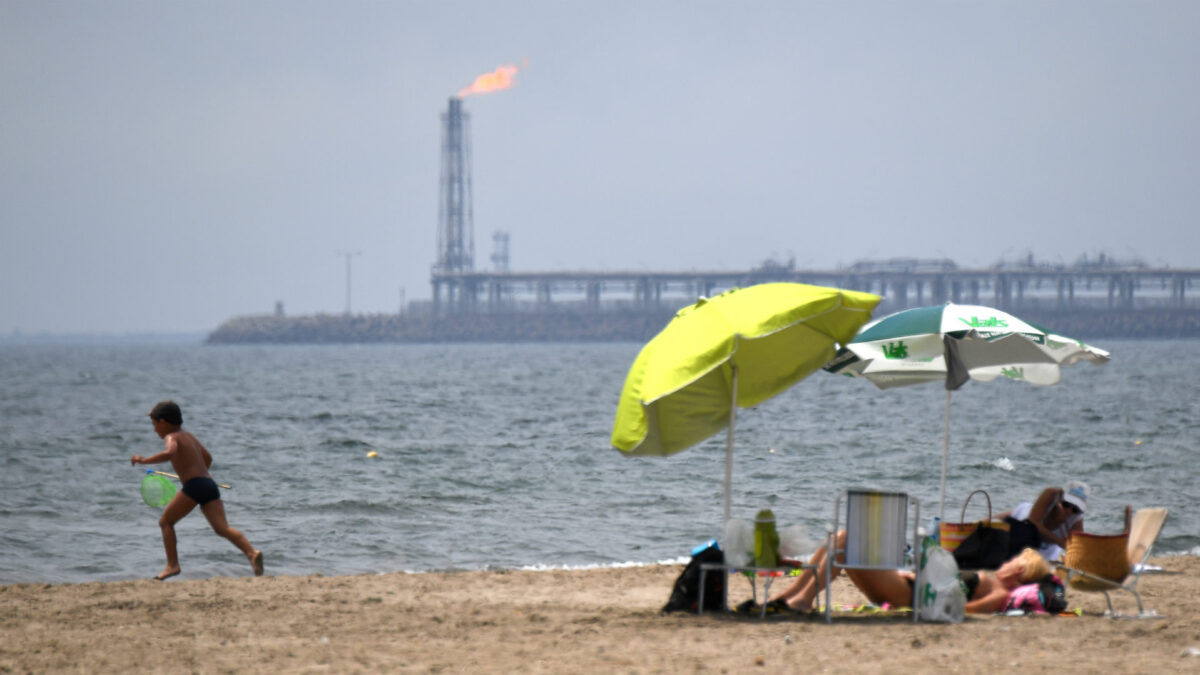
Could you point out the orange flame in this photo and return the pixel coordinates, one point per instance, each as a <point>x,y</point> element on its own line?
<point>501,78</point>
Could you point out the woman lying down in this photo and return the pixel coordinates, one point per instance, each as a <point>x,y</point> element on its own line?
<point>987,591</point>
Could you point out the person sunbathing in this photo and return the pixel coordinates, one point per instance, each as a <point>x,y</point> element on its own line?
<point>987,592</point>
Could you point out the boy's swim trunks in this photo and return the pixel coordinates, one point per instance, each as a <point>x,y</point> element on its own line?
<point>202,489</point>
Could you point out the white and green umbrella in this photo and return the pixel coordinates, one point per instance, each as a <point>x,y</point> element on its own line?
<point>954,343</point>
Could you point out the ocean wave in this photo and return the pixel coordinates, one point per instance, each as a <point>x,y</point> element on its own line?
<point>547,567</point>
<point>1003,463</point>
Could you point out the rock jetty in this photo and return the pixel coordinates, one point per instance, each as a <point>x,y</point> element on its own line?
<point>617,326</point>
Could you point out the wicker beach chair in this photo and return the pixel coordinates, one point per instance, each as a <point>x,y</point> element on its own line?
<point>1103,563</point>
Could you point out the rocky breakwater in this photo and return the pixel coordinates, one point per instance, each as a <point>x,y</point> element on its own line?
<point>626,325</point>
<point>512,327</point>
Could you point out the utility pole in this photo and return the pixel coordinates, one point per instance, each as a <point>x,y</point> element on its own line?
<point>348,255</point>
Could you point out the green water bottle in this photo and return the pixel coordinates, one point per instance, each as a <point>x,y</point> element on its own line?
<point>766,540</point>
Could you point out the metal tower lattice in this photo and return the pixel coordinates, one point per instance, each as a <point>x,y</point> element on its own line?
<point>456,228</point>
<point>500,251</point>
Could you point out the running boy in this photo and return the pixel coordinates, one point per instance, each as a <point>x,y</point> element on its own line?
<point>191,461</point>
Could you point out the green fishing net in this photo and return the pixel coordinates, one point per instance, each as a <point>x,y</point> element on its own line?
<point>157,490</point>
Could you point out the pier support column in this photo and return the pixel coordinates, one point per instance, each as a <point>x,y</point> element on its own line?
<point>593,295</point>
<point>470,292</point>
<point>938,291</point>
<point>495,295</point>
<point>1004,299</point>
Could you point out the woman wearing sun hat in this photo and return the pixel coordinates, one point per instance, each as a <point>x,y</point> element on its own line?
<point>1046,523</point>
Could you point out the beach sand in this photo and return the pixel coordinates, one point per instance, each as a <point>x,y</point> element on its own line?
<point>591,621</point>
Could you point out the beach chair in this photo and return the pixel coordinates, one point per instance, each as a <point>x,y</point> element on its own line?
<point>753,570</point>
<point>1097,563</point>
<point>876,537</point>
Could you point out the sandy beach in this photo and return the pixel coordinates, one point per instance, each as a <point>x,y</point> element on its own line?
<point>592,621</point>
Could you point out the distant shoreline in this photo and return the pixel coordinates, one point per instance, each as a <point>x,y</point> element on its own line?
<point>619,326</point>
<point>48,338</point>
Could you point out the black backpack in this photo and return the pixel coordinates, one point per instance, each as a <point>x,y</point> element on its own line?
<point>685,595</point>
<point>1054,596</point>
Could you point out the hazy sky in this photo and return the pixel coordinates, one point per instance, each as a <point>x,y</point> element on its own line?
<point>165,166</point>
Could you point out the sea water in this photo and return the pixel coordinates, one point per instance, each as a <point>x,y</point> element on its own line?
<point>497,456</point>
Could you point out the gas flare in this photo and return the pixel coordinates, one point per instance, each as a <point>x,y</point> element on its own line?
<point>501,78</point>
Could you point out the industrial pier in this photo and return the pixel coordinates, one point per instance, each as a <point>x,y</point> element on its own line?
<point>1091,297</point>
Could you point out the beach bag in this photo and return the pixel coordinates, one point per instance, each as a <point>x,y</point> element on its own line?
<point>1044,597</point>
<point>952,534</point>
<point>941,596</point>
<point>685,594</point>
<point>986,546</point>
<point>1022,534</point>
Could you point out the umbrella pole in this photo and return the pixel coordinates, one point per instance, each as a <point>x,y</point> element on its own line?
<point>945,456</point>
<point>729,446</point>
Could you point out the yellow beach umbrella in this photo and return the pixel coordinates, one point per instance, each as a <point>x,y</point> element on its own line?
<point>739,348</point>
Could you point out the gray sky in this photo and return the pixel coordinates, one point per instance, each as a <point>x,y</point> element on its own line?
<point>167,165</point>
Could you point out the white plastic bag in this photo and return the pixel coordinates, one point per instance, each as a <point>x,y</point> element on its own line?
<point>795,544</point>
<point>941,596</point>
<point>738,542</point>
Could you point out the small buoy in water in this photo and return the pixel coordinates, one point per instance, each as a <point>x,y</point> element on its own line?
<point>772,450</point>
<point>1138,442</point>
<point>372,454</point>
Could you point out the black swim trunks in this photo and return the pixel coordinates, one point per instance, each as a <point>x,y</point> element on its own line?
<point>202,489</point>
<point>970,580</point>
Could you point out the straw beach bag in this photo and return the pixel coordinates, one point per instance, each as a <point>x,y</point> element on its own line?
<point>952,534</point>
<point>1103,555</point>
<point>986,545</point>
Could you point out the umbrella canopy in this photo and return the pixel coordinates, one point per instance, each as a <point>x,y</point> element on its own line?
<point>952,343</point>
<point>739,348</point>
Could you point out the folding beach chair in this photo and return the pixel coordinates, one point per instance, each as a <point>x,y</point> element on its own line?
<point>876,529</point>
<point>1103,563</point>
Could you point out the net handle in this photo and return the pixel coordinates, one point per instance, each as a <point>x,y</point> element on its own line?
<point>171,475</point>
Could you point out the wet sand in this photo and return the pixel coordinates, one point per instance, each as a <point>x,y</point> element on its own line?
<point>592,621</point>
